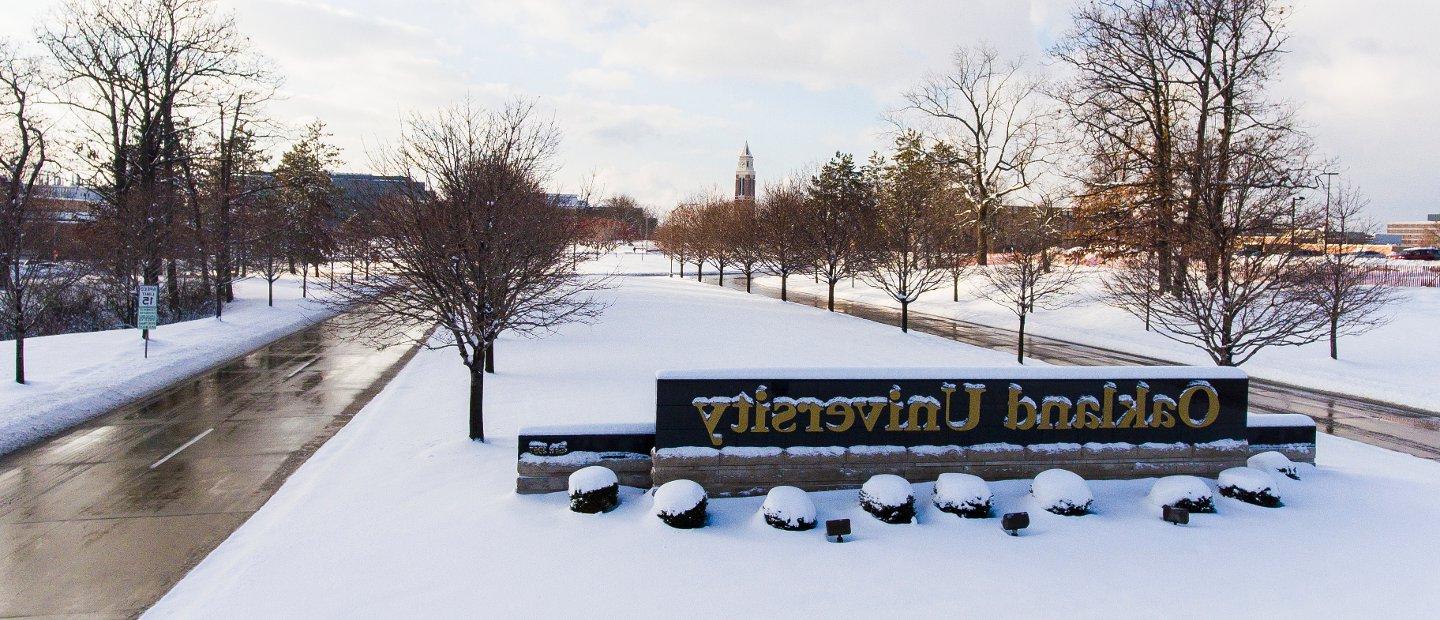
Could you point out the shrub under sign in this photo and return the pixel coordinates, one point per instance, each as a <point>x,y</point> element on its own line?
<point>744,431</point>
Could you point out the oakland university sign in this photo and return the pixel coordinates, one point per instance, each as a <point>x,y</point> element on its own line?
<point>741,431</point>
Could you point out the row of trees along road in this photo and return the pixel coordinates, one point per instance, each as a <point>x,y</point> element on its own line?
<point>171,134</point>
<point>156,107</point>
<point>1163,149</point>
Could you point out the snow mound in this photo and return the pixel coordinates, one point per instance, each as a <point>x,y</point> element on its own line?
<point>963,494</point>
<point>788,508</point>
<point>593,489</point>
<point>592,478</point>
<point>680,504</point>
<point>1250,485</point>
<point>1274,461</point>
<point>1062,492</point>
<point>1186,492</point>
<point>889,498</point>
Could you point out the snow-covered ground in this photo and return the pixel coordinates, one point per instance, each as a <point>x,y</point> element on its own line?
<point>400,515</point>
<point>1394,363</point>
<point>73,377</point>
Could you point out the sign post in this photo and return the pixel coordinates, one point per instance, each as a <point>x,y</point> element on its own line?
<point>147,312</point>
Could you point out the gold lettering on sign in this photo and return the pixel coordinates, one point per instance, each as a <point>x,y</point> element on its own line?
<point>1085,413</point>
<point>712,419</point>
<point>762,409</point>
<point>783,415</point>
<point>1212,410</point>
<point>1135,407</point>
<point>1058,404</point>
<point>877,407</point>
<point>742,404</point>
<point>812,407</point>
<point>840,408</point>
<point>1017,403</point>
<point>895,412</point>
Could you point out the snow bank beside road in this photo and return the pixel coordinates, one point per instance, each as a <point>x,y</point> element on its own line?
<point>75,377</point>
<point>399,515</point>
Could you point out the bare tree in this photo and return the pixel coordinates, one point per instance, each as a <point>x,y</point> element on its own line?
<point>990,112</point>
<point>1343,288</point>
<point>743,235</point>
<point>906,258</point>
<point>1027,277</point>
<point>841,203</point>
<point>143,73</point>
<point>783,219</point>
<point>29,286</point>
<point>482,252</point>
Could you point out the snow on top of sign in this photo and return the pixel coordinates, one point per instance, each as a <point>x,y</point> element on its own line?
<point>816,450</point>
<point>876,449</point>
<point>1053,448</point>
<point>749,452</point>
<point>959,372</point>
<point>592,478</point>
<point>1271,420</point>
<point>640,428</point>
<point>689,452</point>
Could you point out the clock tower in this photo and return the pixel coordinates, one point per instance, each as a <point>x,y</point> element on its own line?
<point>745,175</point>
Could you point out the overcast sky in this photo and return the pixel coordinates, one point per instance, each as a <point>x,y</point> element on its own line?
<point>657,97</point>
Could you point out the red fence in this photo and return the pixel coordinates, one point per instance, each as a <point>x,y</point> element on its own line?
<point>1396,273</point>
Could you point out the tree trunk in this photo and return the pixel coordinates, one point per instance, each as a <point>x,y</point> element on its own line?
<point>477,404</point>
<point>955,282</point>
<point>784,295</point>
<point>270,291</point>
<point>1334,337</point>
<point>748,278</point>
<point>831,304</point>
<point>722,274</point>
<point>490,356</point>
<point>1020,342</point>
<point>904,316</point>
<point>19,357</point>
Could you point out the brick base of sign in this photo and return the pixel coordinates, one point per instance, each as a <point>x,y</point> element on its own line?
<point>741,471</point>
<point>549,474</point>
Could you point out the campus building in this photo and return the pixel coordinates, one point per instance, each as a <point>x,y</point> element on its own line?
<point>1416,233</point>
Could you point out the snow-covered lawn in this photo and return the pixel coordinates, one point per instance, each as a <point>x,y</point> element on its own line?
<point>73,377</point>
<point>400,515</point>
<point>1395,362</point>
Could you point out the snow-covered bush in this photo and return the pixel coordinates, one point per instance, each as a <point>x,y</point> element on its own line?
<point>1062,492</point>
<point>681,504</point>
<point>788,508</point>
<point>1250,485</point>
<point>594,489</point>
<point>1186,492</point>
<point>1276,462</point>
<point>889,498</point>
<point>963,494</point>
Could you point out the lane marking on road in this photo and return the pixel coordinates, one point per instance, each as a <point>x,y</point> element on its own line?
<point>182,447</point>
<point>302,367</point>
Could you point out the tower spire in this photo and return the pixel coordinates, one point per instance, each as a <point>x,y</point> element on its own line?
<point>745,175</point>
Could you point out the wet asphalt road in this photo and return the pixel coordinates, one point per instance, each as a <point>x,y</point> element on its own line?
<point>1388,425</point>
<point>103,519</point>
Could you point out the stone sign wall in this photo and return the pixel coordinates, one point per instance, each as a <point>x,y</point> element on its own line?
<point>744,431</point>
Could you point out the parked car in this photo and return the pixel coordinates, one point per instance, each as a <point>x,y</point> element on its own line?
<point>1367,254</point>
<point>1418,254</point>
